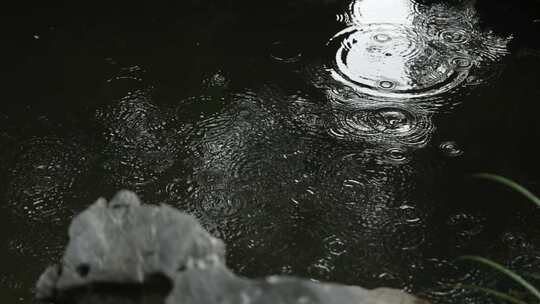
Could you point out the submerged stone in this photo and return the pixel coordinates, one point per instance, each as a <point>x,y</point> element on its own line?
<point>125,252</point>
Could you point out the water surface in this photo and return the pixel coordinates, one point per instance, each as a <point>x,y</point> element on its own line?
<point>329,140</point>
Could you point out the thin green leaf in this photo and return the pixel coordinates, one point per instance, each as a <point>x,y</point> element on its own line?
<point>493,292</point>
<point>510,183</point>
<point>514,276</point>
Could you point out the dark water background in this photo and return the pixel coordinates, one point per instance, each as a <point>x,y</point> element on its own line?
<point>345,159</point>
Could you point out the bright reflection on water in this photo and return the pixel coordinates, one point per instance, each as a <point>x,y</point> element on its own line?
<point>383,11</point>
<point>401,49</point>
<point>329,164</point>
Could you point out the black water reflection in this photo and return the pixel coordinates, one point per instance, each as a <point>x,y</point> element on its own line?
<point>335,162</point>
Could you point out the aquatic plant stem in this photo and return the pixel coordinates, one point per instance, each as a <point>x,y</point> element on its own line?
<point>510,183</point>
<point>492,292</point>
<point>514,276</point>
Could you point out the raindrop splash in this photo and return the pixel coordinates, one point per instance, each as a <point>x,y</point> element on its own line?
<point>450,148</point>
<point>404,50</point>
<point>387,125</point>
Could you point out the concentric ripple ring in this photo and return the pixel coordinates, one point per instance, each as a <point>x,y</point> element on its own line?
<point>390,60</point>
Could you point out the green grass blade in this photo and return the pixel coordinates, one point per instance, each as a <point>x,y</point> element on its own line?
<point>510,183</point>
<point>493,292</point>
<point>514,276</point>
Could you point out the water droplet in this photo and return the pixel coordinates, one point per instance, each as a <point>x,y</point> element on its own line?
<point>382,37</point>
<point>450,148</point>
<point>455,36</point>
<point>410,214</point>
<point>461,63</point>
<point>514,241</point>
<point>321,269</point>
<point>397,155</point>
<point>385,84</point>
<point>388,125</point>
<point>217,80</point>
<point>334,245</point>
<point>391,120</point>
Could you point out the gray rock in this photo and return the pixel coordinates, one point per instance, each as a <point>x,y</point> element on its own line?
<point>120,249</point>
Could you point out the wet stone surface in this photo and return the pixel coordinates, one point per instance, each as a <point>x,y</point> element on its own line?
<point>119,250</point>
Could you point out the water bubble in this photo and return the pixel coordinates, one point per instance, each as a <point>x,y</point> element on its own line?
<point>217,80</point>
<point>321,269</point>
<point>514,241</point>
<point>335,245</point>
<point>461,63</point>
<point>450,148</point>
<point>382,37</point>
<point>385,84</point>
<point>396,155</point>
<point>455,36</point>
<point>410,214</point>
<point>391,120</point>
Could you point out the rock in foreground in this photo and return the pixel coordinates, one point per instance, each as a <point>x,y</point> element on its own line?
<point>125,252</point>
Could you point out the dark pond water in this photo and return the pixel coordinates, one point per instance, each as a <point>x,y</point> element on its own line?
<point>333,140</point>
